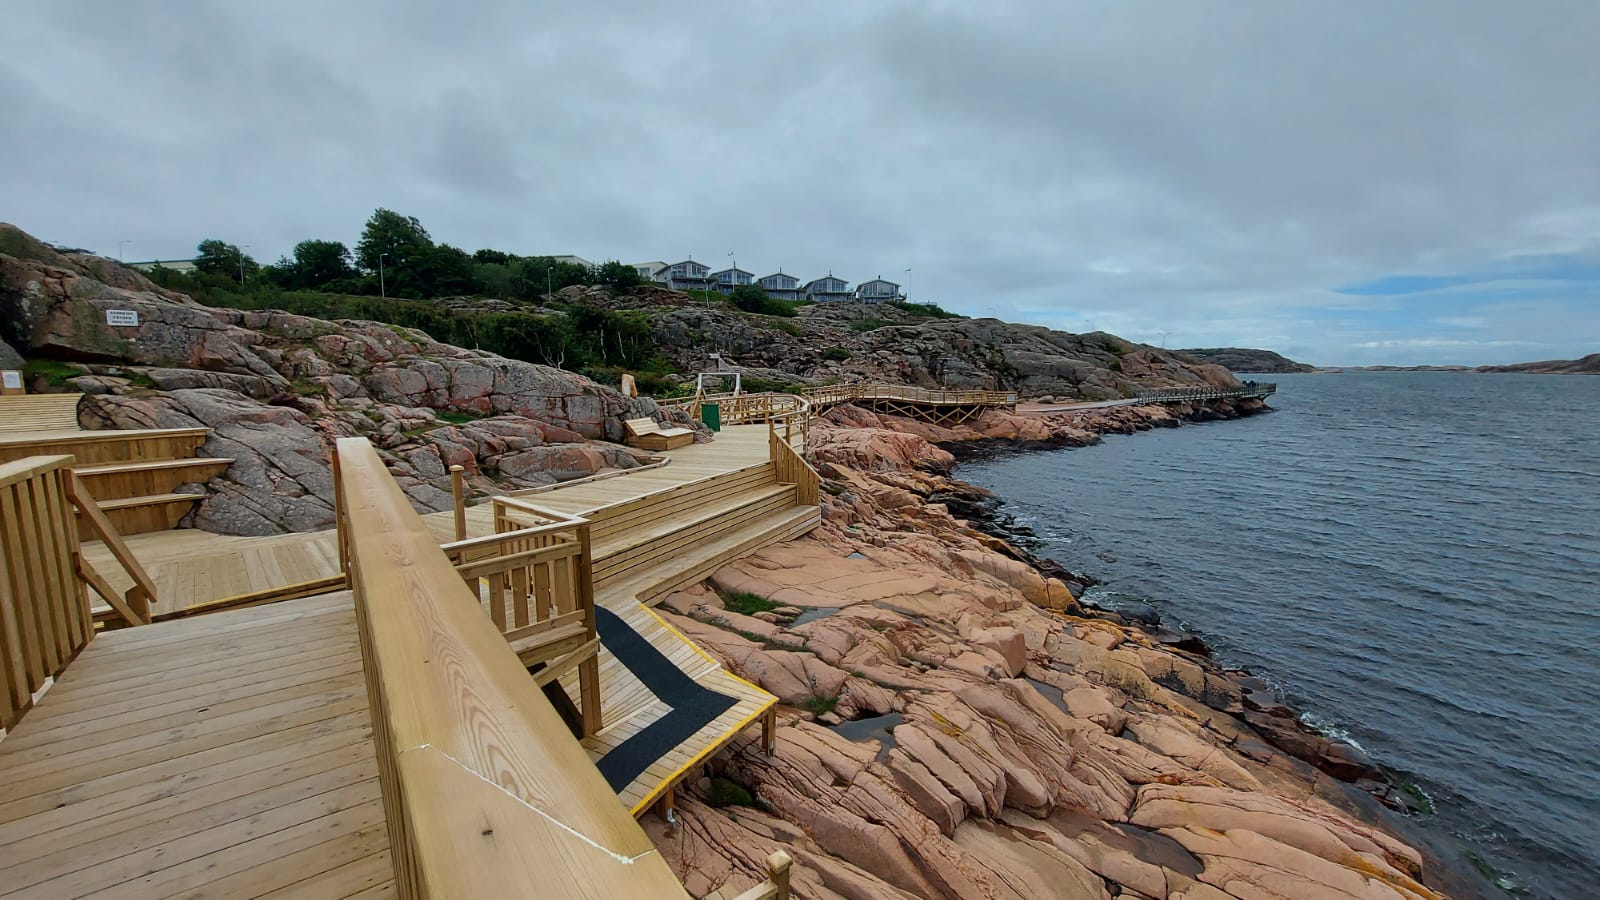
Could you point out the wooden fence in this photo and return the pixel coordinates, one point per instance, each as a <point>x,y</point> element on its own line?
<point>485,792</point>
<point>44,608</point>
<point>789,410</point>
<point>535,577</point>
<point>791,468</point>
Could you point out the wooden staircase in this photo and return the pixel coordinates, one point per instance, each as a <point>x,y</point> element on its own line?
<point>133,474</point>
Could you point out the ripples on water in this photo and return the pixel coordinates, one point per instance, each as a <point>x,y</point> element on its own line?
<point>1411,557</point>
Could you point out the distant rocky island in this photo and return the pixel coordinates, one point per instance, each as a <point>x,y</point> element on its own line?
<point>1238,359</point>
<point>1588,365</point>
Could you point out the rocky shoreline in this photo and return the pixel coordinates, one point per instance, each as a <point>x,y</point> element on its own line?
<point>955,723</point>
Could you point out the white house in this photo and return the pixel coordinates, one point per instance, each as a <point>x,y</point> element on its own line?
<point>826,289</point>
<point>780,286</point>
<point>728,279</point>
<point>575,260</point>
<point>878,290</point>
<point>688,276</point>
<point>653,270</point>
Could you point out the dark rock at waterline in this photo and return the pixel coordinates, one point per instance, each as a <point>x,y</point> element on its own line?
<point>1343,761</point>
<point>1140,612</point>
<point>1180,640</point>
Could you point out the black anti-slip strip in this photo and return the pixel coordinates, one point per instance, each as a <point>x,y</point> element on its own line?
<point>693,706</point>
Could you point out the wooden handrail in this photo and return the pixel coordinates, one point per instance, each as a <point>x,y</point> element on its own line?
<point>44,607</point>
<point>1258,389</point>
<point>844,393</point>
<point>133,606</point>
<point>485,791</point>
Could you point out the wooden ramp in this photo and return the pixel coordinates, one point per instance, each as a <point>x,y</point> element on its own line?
<point>228,755</point>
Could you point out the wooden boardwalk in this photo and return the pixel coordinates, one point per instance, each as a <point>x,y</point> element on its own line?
<point>227,755</point>
<point>710,505</point>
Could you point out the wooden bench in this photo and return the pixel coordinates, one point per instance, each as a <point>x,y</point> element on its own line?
<point>39,413</point>
<point>647,434</point>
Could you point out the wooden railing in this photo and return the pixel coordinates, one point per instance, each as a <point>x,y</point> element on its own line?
<point>792,468</point>
<point>1245,391</point>
<point>485,792</point>
<point>792,412</point>
<point>44,609</point>
<point>133,605</point>
<point>534,576</point>
<point>846,393</point>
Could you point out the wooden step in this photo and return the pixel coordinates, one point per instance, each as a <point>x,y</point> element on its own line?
<point>658,522</point>
<point>116,481</point>
<point>773,528</point>
<point>137,515</point>
<point>91,447</point>
<point>629,515</point>
<point>645,548</point>
<point>39,412</point>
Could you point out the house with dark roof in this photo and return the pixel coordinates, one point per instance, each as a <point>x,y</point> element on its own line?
<point>826,289</point>
<point>780,286</point>
<point>878,290</point>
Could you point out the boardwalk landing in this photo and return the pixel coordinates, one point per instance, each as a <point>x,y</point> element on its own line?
<point>231,754</point>
<point>225,755</point>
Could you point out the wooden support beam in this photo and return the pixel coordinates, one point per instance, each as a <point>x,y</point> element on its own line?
<point>143,593</point>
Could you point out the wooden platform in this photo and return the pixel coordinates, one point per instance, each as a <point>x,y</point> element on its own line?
<point>228,755</point>
<point>654,531</point>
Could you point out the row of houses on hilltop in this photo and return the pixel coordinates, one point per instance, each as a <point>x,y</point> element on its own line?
<point>692,276</point>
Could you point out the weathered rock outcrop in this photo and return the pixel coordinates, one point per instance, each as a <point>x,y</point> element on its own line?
<point>1028,748</point>
<point>1588,365</point>
<point>276,389</point>
<point>1238,359</point>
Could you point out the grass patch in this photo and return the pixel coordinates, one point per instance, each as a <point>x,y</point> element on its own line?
<point>57,374</point>
<point>932,310</point>
<point>456,417</point>
<point>836,354</point>
<point>787,327</point>
<point>819,705</point>
<point>724,793</point>
<point>745,603</point>
<point>307,388</point>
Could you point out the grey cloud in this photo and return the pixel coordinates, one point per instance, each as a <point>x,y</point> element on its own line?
<point>1204,168</point>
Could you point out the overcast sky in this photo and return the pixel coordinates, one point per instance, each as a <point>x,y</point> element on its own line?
<point>1346,182</point>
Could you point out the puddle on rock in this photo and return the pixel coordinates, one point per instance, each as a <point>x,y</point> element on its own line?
<point>814,613</point>
<point>875,728</point>
<point>1051,693</point>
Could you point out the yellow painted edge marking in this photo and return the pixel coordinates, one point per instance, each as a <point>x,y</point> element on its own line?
<point>761,710</point>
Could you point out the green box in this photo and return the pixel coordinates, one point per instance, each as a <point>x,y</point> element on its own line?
<point>711,414</point>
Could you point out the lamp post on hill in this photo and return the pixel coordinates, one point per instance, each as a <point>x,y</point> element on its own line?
<point>120,245</point>
<point>241,262</point>
<point>383,289</point>
<point>908,285</point>
<point>1164,336</point>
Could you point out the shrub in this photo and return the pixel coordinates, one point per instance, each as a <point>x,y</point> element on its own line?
<point>724,792</point>
<point>836,354</point>
<point>745,603</point>
<point>932,310</point>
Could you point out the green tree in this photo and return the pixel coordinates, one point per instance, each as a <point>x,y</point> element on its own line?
<point>215,257</point>
<point>753,299</point>
<point>493,257</point>
<point>614,274</point>
<point>402,238</point>
<point>318,262</point>
<point>440,271</point>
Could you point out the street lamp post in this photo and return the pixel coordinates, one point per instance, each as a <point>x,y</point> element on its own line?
<point>241,262</point>
<point>120,245</point>
<point>549,292</point>
<point>383,289</point>
<point>1164,336</point>
<point>908,284</point>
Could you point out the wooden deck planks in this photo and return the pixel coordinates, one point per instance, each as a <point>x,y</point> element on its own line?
<point>243,767</point>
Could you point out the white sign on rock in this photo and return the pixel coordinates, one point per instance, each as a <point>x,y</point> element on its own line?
<point>122,317</point>
<point>11,380</point>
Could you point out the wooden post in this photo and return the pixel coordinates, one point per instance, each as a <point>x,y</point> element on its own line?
<point>778,870</point>
<point>341,529</point>
<point>589,669</point>
<point>458,490</point>
<point>769,731</point>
